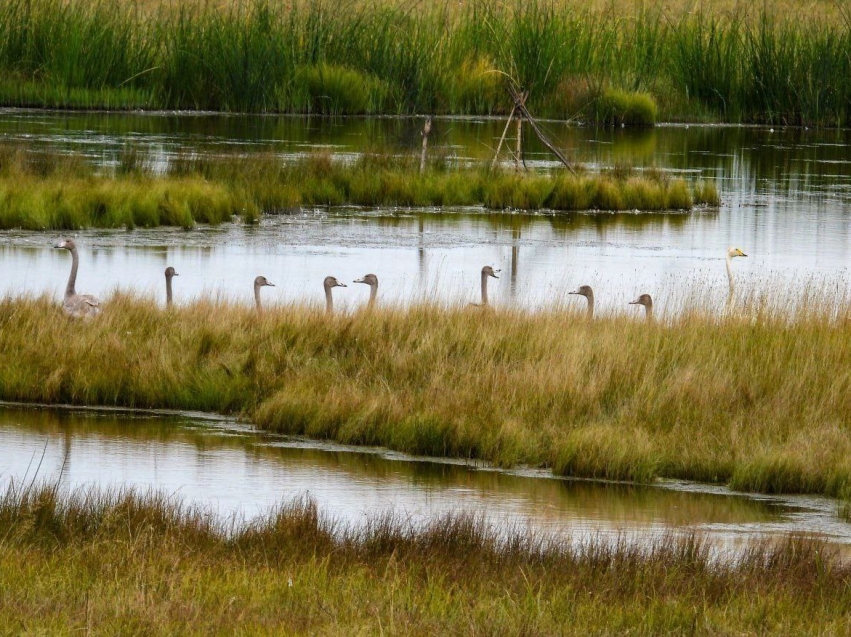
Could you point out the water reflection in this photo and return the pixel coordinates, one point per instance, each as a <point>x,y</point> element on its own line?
<point>231,468</point>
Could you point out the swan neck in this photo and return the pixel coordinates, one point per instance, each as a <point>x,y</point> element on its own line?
<point>168,290</point>
<point>648,309</point>
<point>70,289</point>
<point>373,293</point>
<point>329,301</point>
<point>257,297</point>
<point>590,306</point>
<point>484,289</point>
<point>730,273</point>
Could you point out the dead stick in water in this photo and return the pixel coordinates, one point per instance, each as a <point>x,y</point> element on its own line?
<point>520,106</point>
<point>502,139</point>
<point>425,132</point>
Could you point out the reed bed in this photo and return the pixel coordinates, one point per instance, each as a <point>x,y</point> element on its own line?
<point>773,64</point>
<point>123,562</point>
<point>757,400</point>
<point>55,192</point>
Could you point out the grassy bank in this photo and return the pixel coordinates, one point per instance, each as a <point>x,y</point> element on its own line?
<point>773,64</point>
<point>103,564</point>
<point>52,192</point>
<point>760,404</point>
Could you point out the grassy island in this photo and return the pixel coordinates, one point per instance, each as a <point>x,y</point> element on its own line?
<point>55,192</point>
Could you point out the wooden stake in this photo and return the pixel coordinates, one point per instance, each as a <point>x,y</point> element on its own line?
<point>425,133</point>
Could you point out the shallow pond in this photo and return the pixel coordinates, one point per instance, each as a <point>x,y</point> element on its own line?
<point>231,469</point>
<point>784,198</point>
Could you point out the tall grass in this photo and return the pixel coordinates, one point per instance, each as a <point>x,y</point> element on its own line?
<point>310,56</point>
<point>758,401</point>
<point>125,563</point>
<point>51,191</point>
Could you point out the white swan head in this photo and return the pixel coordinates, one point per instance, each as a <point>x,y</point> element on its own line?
<point>735,252</point>
<point>261,281</point>
<point>369,279</point>
<point>489,271</point>
<point>584,290</point>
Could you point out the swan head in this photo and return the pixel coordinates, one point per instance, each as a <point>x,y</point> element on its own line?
<point>645,299</point>
<point>65,244</point>
<point>735,252</point>
<point>489,271</point>
<point>332,282</point>
<point>369,279</point>
<point>170,272</point>
<point>261,281</point>
<point>584,290</point>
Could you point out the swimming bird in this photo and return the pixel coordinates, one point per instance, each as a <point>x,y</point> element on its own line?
<point>588,293</point>
<point>76,305</point>
<point>487,272</point>
<point>731,253</point>
<point>259,282</point>
<point>647,302</point>
<point>328,283</point>
<point>372,281</point>
<point>169,275</point>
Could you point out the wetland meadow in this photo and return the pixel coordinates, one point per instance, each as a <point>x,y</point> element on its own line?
<point>450,414</point>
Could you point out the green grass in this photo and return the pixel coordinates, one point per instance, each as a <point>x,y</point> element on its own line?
<point>121,563</point>
<point>778,65</point>
<point>757,401</point>
<point>53,192</point>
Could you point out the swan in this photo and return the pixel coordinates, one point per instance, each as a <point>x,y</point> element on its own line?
<point>588,293</point>
<point>372,281</point>
<point>487,272</point>
<point>647,302</point>
<point>169,275</point>
<point>76,305</point>
<point>259,282</point>
<point>328,283</point>
<point>731,254</point>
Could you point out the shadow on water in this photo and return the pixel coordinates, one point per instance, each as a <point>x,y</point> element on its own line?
<point>231,468</point>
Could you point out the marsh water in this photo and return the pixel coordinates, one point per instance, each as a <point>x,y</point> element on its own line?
<point>231,470</point>
<point>784,192</point>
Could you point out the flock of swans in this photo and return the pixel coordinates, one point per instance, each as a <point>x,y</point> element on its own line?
<point>87,306</point>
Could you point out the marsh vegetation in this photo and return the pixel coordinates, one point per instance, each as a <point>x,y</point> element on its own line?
<point>753,65</point>
<point>48,191</point>
<point>756,399</point>
<point>102,563</point>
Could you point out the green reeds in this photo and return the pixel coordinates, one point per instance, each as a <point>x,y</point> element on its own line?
<point>313,57</point>
<point>124,563</point>
<point>52,192</point>
<point>756,400</point>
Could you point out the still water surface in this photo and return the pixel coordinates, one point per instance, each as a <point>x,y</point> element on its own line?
<point>231,469</point>
<point>784,202</point>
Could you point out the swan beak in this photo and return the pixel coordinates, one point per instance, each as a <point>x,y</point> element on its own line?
<point>59,244</point>
<point>494,274</point>
<point>742,254</point>
<point>342,285</point>
<point>176,274</point>
<point>574,292</point>
<point>270,284</point>
<point>634,303</point>
<point>358,281</point>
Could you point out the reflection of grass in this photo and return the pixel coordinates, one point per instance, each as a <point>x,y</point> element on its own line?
<point>123,563</point>
<point>770,65</point>
<point>758,401</point>
<point>42,192</point>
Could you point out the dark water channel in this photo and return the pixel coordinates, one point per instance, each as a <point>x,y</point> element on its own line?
<point>230,469</point>
<point>785,197</point>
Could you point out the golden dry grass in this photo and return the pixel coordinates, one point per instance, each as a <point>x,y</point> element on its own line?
<point>760,401</point>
